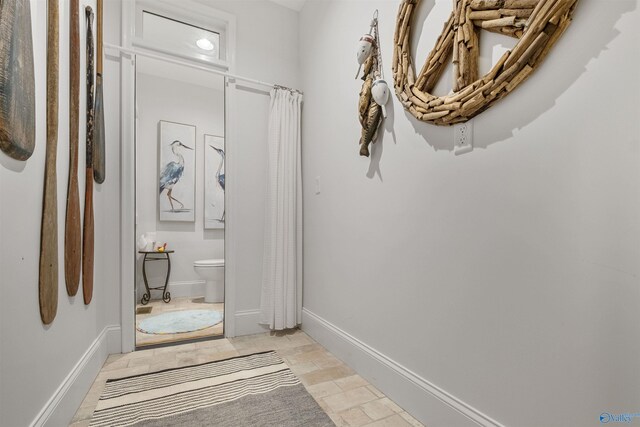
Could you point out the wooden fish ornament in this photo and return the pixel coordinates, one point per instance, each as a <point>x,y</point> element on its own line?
<point>374,92</point>
<point>365,99</point>
<point>370,127</point>
<point>368,66</point>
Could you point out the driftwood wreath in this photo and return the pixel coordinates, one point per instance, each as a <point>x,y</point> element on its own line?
<point>538,24</point>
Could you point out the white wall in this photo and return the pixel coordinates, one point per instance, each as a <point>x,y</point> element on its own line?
<point>508,277</point>
<point>38,364</point>
<point>158,99</point>
<point>36,359</point>
<point>266,49</point>
<point>266,39</point>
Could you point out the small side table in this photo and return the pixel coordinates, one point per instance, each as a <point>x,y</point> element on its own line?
<point>155,256</point>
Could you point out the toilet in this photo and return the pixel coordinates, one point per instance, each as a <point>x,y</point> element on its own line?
<point>212,271</point>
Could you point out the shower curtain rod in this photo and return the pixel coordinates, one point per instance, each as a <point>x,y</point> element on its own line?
<point>197,67</point>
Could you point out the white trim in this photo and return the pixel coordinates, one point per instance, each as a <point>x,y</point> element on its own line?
<point>424,400</point>
<point>127,186</point>
<point>191,288</point>
<point>127,179</point>
<point>230,258</point>
<point>167,57</point>
<point>178,289</point>
<point>247,323</point>
<point>142,46</point>
<point>64,402</point>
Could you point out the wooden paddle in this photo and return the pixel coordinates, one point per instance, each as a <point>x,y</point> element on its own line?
<point>72,236</point>
<point>99,136</point>
<point>87,237</point>
<point>17,83</point>
<point>48,280</point>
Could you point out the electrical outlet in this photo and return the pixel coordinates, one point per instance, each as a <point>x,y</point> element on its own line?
<point>463,138</point>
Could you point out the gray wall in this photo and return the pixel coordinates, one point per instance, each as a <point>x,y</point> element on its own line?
<point>508,277</point>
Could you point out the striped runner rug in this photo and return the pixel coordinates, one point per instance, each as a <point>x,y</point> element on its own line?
<point>254,390</point>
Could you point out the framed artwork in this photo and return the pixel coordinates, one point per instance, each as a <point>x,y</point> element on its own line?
<point>176,172</point>
<point>213,181</point>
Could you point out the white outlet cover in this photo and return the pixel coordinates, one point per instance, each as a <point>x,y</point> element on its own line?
<point>463,137</point>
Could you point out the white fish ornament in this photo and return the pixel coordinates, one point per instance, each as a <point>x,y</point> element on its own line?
<point>365,46</point>
<point>380,94</point>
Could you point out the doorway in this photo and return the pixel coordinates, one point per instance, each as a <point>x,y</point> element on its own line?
<point>180,203</point>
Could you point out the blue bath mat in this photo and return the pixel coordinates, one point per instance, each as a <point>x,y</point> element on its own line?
<point>177,322</point>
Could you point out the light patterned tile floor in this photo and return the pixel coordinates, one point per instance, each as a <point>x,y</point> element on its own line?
<point>345,396</point>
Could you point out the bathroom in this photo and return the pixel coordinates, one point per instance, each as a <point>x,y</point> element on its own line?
<point>180,90</point>
<point>179,200</point>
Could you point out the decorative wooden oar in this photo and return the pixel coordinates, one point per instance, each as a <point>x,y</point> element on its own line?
<point>72,236</point>
<point>17,83</point>
<point>87,237</point>
<point>48,279</point>
<point>99,136</point>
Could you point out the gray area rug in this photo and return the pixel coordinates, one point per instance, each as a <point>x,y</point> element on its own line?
<point>254,390</point>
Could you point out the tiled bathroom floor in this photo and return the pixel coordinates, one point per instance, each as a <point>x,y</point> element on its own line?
<point>345,396</point>
<point>177,304</point>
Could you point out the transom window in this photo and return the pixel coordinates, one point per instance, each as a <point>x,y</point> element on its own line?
<point>197,32</point>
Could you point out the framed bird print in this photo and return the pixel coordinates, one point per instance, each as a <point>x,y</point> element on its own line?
<point>213,181</point>
<point>176,172</point>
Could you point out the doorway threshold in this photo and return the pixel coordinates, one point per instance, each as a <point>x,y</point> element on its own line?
<point>178,342</point>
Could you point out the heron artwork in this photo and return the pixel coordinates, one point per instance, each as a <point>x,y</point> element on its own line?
<point>220,174</point>
<point>172,172</point>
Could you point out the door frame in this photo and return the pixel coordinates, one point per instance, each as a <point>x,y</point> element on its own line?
<point>128,175</point>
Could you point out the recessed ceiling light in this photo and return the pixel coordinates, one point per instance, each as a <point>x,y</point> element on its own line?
<point>205,44</point>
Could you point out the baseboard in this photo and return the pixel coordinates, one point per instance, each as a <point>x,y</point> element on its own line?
<point>194,288</point>
<point>64,403</point>
<point>187,288</point>
<point>427,402</point>
<point>247,323</point>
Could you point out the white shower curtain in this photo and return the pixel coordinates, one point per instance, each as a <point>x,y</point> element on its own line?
<point>281,302</point>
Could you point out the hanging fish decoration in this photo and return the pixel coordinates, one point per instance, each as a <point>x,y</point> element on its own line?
<point>370,127</point>
<point>365,98</point>
<point>365,46</point>
<point>380,94</point>
<point>374,93</point>
<point>368,66</point>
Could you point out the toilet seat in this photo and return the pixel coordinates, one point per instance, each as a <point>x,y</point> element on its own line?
<point>209,263</point>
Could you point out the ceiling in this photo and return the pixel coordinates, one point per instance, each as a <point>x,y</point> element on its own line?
<point>296,5</point>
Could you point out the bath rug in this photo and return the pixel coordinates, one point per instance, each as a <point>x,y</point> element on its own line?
<point>177,322</point>
<point>245,391</point>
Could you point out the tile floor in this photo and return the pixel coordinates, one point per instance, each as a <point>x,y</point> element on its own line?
<point>345,396</point>
<point>177,304</point>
